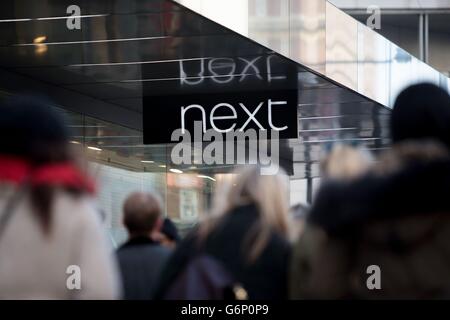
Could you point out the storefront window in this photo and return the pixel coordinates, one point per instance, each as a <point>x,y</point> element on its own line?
<point>439,42</point>
<point>121,164</point>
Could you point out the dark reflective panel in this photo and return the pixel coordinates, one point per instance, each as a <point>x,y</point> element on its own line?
<point>24,9</point>
<point>126,50</point>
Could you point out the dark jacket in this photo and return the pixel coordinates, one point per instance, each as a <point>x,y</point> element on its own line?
<point>399,222</point>
<point>266,278</point>
<point>141,261</point>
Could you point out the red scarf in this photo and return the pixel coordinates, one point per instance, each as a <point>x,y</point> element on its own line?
<point>16,170</point>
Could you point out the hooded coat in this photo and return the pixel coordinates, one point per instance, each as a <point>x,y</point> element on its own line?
<point>379,237</point>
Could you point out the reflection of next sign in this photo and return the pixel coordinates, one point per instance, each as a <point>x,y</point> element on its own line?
<point>222,112</point>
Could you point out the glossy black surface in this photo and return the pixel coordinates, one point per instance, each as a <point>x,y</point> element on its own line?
<point>129,49</point>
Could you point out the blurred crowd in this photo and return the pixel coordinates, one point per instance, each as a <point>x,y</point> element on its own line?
<point>378,227</point>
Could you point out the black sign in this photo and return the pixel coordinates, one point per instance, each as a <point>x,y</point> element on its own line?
<point>222,112</point>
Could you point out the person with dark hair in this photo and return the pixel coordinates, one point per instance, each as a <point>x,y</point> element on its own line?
<point>141,258</point>
<point>386,234</point>
<point>52,245</point>
<point>168,235</point>
<point>421,111</point>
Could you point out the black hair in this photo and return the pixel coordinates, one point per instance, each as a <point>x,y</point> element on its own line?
<point>31,129</point>
<point>170,230</point>
<point>422,111</point>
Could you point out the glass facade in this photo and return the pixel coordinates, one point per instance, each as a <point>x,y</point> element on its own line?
<point>126,52</point>
<point>121,164</point>
<point>419,27</point>
<point>439,42</point>
<point>337,44</point>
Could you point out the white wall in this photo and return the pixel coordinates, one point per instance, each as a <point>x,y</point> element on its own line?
<point>232,14</point>
<point>298,191</point>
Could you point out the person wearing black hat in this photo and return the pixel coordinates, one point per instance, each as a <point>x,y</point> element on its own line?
<point>421,112</point>
<point>386,235</point>
<point>52,245</point>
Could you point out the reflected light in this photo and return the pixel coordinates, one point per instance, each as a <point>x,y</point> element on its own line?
<point>325,130</point>
<point>15,20</point>
<point>40,47</point>
<point>136,62</point>
<point>340,140</point>
<point>206,177</point>
<point>55,18</point>
<point>91,41</point>
<point>72,17</point>
<point>175,171</point>
<point>39,39</point>
<point>94,148</point>
<point>147,161</point>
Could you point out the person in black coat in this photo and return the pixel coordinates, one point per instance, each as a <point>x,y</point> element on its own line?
<point>168,234</point>
<point>141,258</point>
<point>395,219</point>
<point>247,235</point>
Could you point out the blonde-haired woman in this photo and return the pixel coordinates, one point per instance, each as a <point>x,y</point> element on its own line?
<point>345,162</point>
<point>246,235</point>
